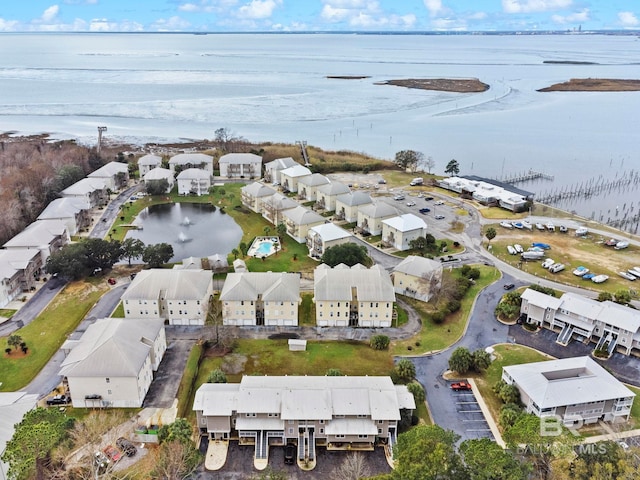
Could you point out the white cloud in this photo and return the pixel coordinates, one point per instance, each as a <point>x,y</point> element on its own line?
<point>333,14</point>
<point>259,8</point>
<point>577,17</point>
<point>172,24</point>
<point>81,2</point>
<point>478,16</point>
<point>434,7</point>
<point>189,7</point>
<point>8,25</point>
<point>50,14</point>
<point>207,6</point>
<point>628,19</point>
<point>529,6</point>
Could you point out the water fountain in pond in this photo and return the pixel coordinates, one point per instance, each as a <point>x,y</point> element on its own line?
<point>182,238</point>
<point>186,221</point>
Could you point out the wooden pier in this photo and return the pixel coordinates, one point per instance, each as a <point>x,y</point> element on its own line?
<point>527,176</point>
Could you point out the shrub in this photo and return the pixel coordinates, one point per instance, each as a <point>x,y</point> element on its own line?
<point>418,392</point>
<point>379,342</point>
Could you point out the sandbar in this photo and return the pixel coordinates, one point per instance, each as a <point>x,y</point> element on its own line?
<point>458,85</point>
<point>594,85</point>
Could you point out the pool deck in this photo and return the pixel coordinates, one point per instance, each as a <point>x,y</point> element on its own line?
<point>254,249</point>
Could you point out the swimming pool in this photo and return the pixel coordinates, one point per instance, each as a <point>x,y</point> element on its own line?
<point>264,246</point>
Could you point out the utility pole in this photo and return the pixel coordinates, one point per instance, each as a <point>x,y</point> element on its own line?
<point>100,130</point>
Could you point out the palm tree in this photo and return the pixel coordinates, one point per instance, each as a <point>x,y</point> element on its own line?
<point>490,233</point>
<point>14,341</point>
<point>267,229</point>
<point>235,253</point>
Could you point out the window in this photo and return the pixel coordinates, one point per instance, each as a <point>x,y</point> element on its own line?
<point>361,416</point>
<point>339,435</point>
<point>107,380</point>
<point>170,312</point>
<point>108,392</point>
<point>363,436</point>
<point>322,431</point>
<point>250,414</point>
<point>379,431</point>
<point>291,431</point>
<point>321,422</point>
<point>272,415</point>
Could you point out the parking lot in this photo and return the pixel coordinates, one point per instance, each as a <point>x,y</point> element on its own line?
<point>470,417</point>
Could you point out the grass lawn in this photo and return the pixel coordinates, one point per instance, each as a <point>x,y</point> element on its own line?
<point>47,332</point>
<point>505,355</point>
<point>307,310</point>
<point>433,336</point>
<point>7,312</point>
<point>119,311</point>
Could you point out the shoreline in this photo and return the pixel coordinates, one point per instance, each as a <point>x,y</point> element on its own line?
<point>594,85</point>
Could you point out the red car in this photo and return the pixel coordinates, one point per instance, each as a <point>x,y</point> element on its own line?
<point>111,281</point>
<point>112,453</point>
<point>460,386</point>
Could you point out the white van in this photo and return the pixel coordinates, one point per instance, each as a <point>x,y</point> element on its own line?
<point>417,181</point>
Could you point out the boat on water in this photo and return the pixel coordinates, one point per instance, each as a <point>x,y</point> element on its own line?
<point>627,275</point>
<point>600,278</point>
<point>580,271</point>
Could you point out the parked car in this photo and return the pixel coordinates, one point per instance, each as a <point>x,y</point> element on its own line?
<point>428,198</point>
<point>289,453</point>
<point>508,286</point>
<point>101,462</point>
<point>128,448</point>
<point>439,217</point>
<point>411,204</point>
<point>460,386</point>
<point>111,281</point>
<point>439,202</point>
<point>399,197</point>
<point>425,210</point>
<point>112,453</point>
<point>58,400</point>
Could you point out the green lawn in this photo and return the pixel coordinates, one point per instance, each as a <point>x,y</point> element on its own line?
<point>307,311</point>
<point>433,336</point>
<point>7,312</point>
<point>46,333</point>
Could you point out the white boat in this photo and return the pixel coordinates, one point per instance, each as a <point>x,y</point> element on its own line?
<point>535,256</point>
<point>637,269</point>
<point>627,275</point>
<point>580,271</point>
<point>518,225</point>
<point>540,227</point>
<point>506,224</point>
<point>634,272</point>
<point>621,245</point>
<point>518,248</point>
<point>535,249</point>
<point>527,225</point>
<point>551,227</point>
<point>581,232</point>
<point>600,278</point>
<point>511,250</point>
<point>556,267</point>
<point>548,262</point>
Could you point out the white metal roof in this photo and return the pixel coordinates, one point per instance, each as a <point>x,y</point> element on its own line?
<point>280,163</point>
<point>353,199</point>
<point>280,202</point>
<point>216,399</point>
<point>85,186</point>
<point>329,232</point>
<point>351,426</point>
<point>39,234</point>
<point>240,158</point>
<point>378,210</point>
<point>194,174</point>
<point>13,406</point>
<point>150,160</point>
<point>540,299</point>
<point>567,381</point>
<point>372,285</point>
<point>111,169</point>
<point>177,284</point>
<point>158,173</point>
<point>314,180</point>
<point>192,158</point>
<point>405,223</point>
<point>303,216</point>
<point>65,207</point>
<point>334,188</point>
<point>296,171</point>
<point>257,190</point>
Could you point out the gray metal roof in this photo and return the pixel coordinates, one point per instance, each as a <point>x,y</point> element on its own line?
<point>158,173</point>
<point>418,266</point>
<point>111,169</point>
<point>16,260</point>
<point>372,285</point>
<point>240,158</point>
<point>280,202</point>
<point>194,174</point>
<point>112,347</point>
<point>353,199</point>
<point>334,188</point>
<point>39,234</point>
<point>314,180</point>
<point>176,284</point>
<point>303,216</point>
<point>85,186</point>
<point>66,207</point>
<point>378,210</point>
<point>271,286</point>
<point>329,232</point>
<point>257,190</point>
<point>557,383</point>
<point>150,160</point>
<point>280,163</point>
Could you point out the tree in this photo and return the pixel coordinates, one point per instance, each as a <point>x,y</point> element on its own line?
<point>334,372</point>
<point>14,341</point>
<point>379,342</point>
<point>217,376</point>
<point>623,297</point>
<point>156,187</point>
<point>348,253</point>
<point>34,437</point>
<point>157,255</point>
<point>132,248</point>
<point>429,164</point>
<point>427,452</point>
<point>419,244</point>
<point>270,474</point>
<point>508,393</point>
<point>604,297</point>
<point>490,233</point>
<point>460,360</point>
<point>486,460</point>
<point>223,138</point>
<point>453,167</point>
<point>69,262</point>
<point>282,230</point>
<point>409,160</point>
<point>244,248</point>
<point>179,430</point>
<point>480,360</point>
<point>267,230</point>
<point>175,460</point>
<point>353,467</point>
<point>404,371</point>
<point>418,392</point>
<point>102,253</point>
<point>235,252</point>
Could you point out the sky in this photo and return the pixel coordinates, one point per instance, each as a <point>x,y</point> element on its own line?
<point>316,15</point>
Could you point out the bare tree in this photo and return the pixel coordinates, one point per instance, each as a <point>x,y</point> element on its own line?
<point>429,164</point>
<point>353,467</point>
<point>175,460</point>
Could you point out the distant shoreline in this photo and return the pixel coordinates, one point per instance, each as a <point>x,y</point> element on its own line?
<point>456,85</point>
